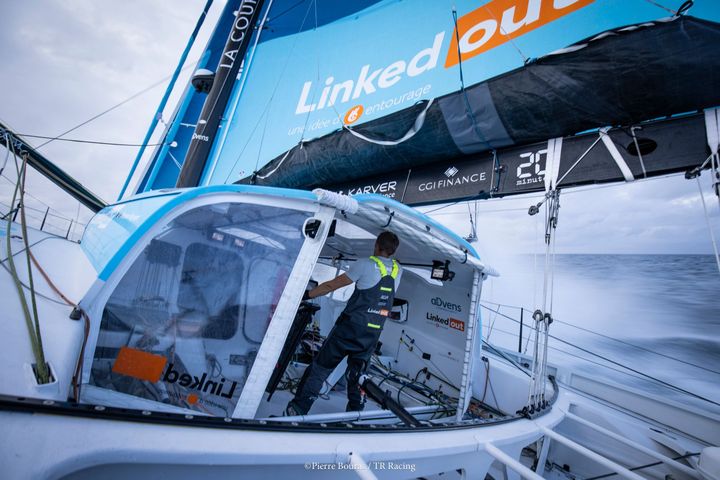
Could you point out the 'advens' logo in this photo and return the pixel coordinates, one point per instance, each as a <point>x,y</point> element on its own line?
<point>487,27</point>
<point>439,302</point>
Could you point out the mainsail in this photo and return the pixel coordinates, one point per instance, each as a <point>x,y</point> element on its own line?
<point>408,100</point>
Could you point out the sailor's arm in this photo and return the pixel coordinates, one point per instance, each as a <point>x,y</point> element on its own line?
<point>329,286</point>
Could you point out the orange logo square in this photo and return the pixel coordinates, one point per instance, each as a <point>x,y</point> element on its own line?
<point>138,364</point>
<point>500,21</point>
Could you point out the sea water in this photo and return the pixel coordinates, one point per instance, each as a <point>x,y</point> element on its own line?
<point>657,314</point>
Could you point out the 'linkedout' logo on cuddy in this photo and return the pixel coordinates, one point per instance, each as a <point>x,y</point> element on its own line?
<point>453,323</point>
<point>201,384</point>
<point>154,368</point>
<point>439,302</point>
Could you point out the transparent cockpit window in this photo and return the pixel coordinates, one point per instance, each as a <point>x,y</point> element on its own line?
<point>185,323</point>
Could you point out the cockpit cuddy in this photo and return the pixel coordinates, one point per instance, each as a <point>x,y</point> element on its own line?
<point>198,310</point>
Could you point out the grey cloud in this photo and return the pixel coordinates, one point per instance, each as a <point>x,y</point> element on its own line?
<point>655,216</point>
<point>65,61</point>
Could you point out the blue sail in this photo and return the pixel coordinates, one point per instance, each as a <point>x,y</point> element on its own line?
<point>320,71</point>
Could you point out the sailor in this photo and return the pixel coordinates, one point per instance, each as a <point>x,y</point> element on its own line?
<point>358,328</point>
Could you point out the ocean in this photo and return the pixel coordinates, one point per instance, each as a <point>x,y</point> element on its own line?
<point>657,314</point>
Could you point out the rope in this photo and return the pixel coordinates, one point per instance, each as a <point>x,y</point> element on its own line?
<point>468,108</point>
<point>673,12</point>
<point>130,98</point>
<point>314,92</point>
<point>164,99</point>
<point>473,230</point>
<point>502,30</point>
<point>251,135</point>
<point>43,375</point>
<point>7,151</point>
<point>415,345</point>
<point>282,160</point>
<point>600,137</point>
<point>707,219</point>
<point>42,368</point>
<point>662,382</point>
<point>584,359</point>
<point>491,347</point>
<point>669,357</point>
<point>11,182</point>
<point>536,394</point>
<point>573,191</point>
<point>417,125</point>
<point>441,207</point>
<point>77,374</point>
<point>243,75</point>
<point>27,287</point>
<point>642,467</point>
<point>93,142</point>
<point>650,377</point>
<point>493,323</point>
<point>50,282</point>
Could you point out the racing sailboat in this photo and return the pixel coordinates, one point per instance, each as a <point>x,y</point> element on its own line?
<point>169,340</point>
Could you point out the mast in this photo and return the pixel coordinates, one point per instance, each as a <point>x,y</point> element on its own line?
<point>166,96</point>
<point>212,112</point>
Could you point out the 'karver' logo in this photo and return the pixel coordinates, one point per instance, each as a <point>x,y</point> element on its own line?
<point>384,188</point>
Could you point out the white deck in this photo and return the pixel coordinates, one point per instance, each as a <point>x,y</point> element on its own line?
<point>47,445</point>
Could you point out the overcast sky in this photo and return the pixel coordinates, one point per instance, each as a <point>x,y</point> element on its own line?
<point>66,61</point>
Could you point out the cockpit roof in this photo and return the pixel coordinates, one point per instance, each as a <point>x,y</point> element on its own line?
<point>115,229</point>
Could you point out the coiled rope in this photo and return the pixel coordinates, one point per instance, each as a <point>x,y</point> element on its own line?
<point>31,320</point>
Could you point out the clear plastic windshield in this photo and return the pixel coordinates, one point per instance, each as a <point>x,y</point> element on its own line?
<point>185,323</point>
